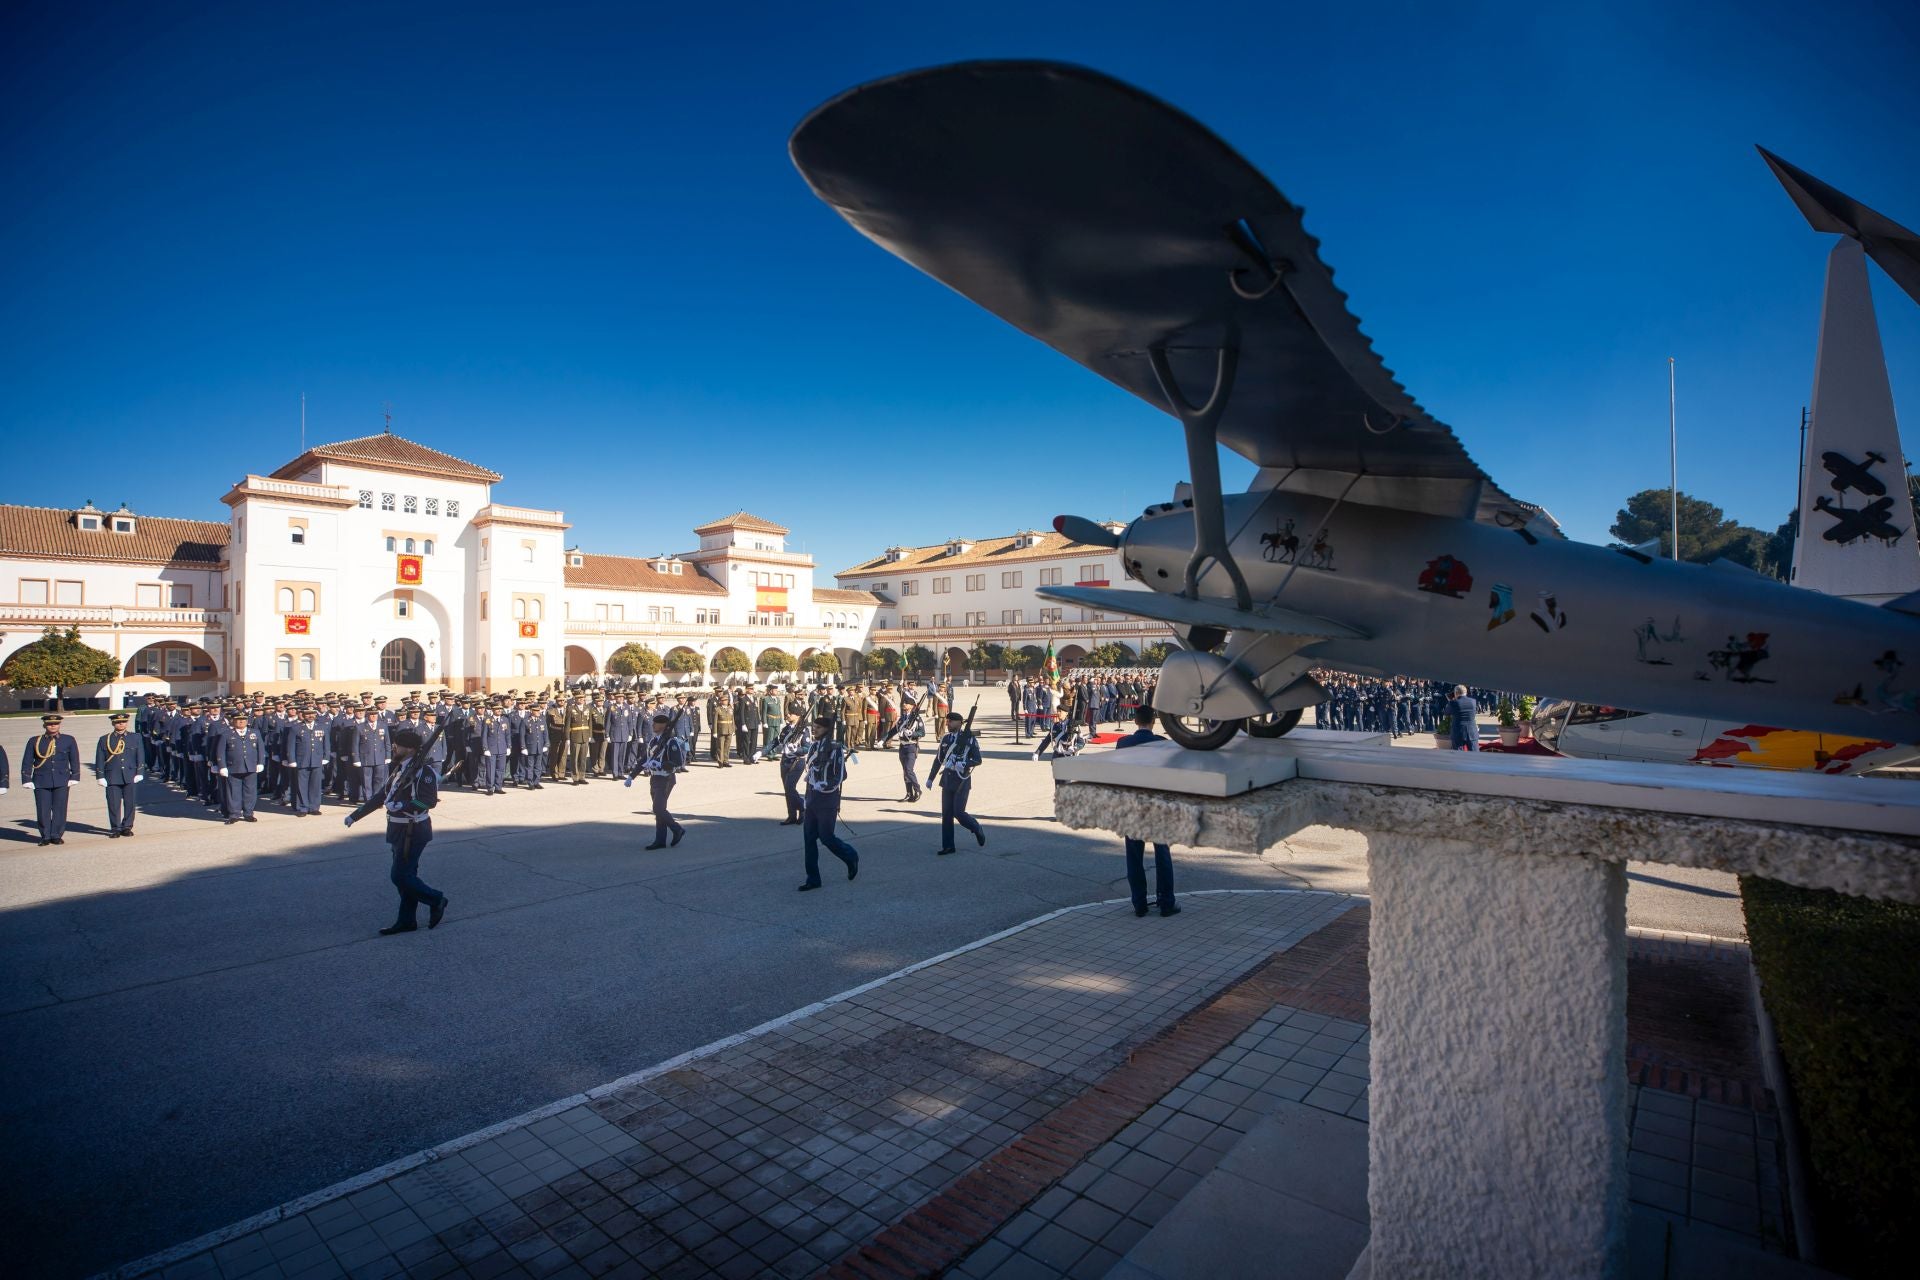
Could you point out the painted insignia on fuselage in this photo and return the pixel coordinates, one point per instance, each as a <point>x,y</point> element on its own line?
<point>1446,576</point>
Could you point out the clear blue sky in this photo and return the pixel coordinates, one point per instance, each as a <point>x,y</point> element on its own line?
<point>565,241</point>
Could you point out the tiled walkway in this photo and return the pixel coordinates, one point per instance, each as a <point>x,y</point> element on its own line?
<point>779,1152</point>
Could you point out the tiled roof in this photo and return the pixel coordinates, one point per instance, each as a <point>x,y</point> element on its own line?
<point>45,531</point>
<point>388,450</point>
<point>635,573</point>
<point>742,520</point>
<point>986,551</point>
<point>834,595</point>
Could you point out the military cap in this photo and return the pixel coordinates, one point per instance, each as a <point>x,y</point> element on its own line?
<point>119,716</point>
<point>52,717</point>
<point>404,738</point>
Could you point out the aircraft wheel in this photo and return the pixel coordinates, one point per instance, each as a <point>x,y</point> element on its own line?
<point>1199,735</point>
<point>1278,725</point>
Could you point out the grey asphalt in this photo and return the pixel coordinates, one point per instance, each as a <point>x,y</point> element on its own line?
<point>199,1023</point>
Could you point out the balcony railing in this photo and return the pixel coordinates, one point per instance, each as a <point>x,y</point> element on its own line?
<point>892,637</point>
<point>298,489</point>
<point>618,627</point>
<point>500,511</point>
<point>76,615</point>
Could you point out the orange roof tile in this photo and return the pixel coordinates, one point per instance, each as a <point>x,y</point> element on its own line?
<point>47,531</point>
<point>388,451</point>
<point>835,595</point>
<point>742,520</point>
<point>636,573</point>
<point>985,551</point>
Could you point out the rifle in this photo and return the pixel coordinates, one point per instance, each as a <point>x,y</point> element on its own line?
<point>960,741</point>
<point>407,770</point>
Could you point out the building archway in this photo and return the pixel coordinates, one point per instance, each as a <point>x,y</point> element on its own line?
<point>403,662</point>
<point>680,661</point>
<point>1070,655</point>
<point>727,665</point>
<point>850,663</point>
<point>774,661</point>
<point>172,661</point>
<point>957,664</point>
<point>580,662</point>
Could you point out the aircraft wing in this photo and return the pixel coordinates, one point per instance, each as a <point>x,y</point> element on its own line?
<point>1104,222</point>
<point>1180,611</point>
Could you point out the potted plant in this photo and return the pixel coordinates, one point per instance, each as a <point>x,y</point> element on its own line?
<point>1527,704</point>
<point>1443,729</point>
<point>1509,724</point>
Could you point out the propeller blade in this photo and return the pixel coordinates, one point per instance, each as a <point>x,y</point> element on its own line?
<point>1081,529</point>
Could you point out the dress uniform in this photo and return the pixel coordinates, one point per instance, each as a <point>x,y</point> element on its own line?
<point>721,712</point>
<point>409,797</point>
<point>243,758</point>
<point>556,752</point>
<point>494,746</point>
<point>579,722</point>
<point>746,726</point>
<point>666,755</point>
<point>773,714</point>
<point>791,748</point>
<point>597,751</point>
<point>959,757</point>
<point>826,771</point>
<point>908,732</point>
<point>304,747</point>
<point>119,762</point>
<point>620,727</point>
<point>50,766</point>
<point>370,756</point>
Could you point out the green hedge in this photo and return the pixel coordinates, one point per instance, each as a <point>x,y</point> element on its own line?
<point>1841,978</point>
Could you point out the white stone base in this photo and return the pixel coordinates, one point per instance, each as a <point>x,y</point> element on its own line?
<point>1243,765</point>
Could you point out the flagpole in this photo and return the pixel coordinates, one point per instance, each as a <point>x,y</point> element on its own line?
<point>1673,459</point>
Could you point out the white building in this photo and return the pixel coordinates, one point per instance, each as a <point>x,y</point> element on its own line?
<point>952,595</point>
<point>379,560</point>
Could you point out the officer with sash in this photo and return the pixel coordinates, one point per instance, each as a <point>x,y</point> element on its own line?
<point>119,762</point>
<point>50,766</point>
<point>826,771</point>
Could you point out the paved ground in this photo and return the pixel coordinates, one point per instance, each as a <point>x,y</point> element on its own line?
<point>200,1023</point>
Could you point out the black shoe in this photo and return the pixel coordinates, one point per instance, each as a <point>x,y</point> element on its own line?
<point>943,852</point>
<point>231,821</point>
<point>439,910</point>
<point>44,843</point>
<point>1170,911</point>
<point>392,929</point>
<point>1139,911</point>
<point>981,836</point>
<point>128,833</point>
<point>657,844</point>
<point>59,839</point>
<point>808,888</point>
<point>791,822</point>
<point>678,832</point>
<point>853,868</point>
<point>113,835</point>
<point>251,818</point>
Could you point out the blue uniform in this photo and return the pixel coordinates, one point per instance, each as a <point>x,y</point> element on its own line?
<point>120,762</point>
<point>959,757</point>
<point>826,771</point>
<point>410,798</point>
<point>1137,853</point>
<point>242,759</point>
<point>492,743</point>
<point>909,732</point>
<point>370,756</point>
<point>666,755</point>
<point>304,748</point>
<point>51,765</point>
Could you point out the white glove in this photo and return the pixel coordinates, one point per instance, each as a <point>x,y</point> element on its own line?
<point>139,777</point>
<point>486,753</point>
<point>103,782</point>
<point>29,786</point>
<point>259,768</point>
<point>71,781</point>
<point>224,773</point>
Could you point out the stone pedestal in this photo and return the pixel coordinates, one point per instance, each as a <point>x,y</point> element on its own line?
<point>1498,1140</point>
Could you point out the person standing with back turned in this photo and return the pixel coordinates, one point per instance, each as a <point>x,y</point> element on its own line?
<point>1465,734</point>
<point>1137,849</point>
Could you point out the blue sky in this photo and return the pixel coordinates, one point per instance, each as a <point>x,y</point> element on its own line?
<point>565,241</point>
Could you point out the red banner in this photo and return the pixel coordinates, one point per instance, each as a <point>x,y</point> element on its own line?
<point>529,631</point>
<point>299,624</point>
<point>407,570</point>
<point>1092,582</point>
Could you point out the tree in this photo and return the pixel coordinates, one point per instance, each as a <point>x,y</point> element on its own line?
<point>983,657</point>
<point>684,662</point>
<point>1706,532</point>
<point>825,663</point>
<point>1155,655</point>
<point>730,662</point>
<point>634,660</point>
<point>59,660</point>
<point>920,658</point>
<point>776,660</point>
<point>1012,660</point>
<point>882,662</point>
<point>1110,654</point>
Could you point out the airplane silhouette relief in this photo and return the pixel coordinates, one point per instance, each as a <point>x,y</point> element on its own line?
<point>1125,235</point>
<point>1848,474</point>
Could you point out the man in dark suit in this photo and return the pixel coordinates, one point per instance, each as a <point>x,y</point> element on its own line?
<point>50,766</point>
<point>119,762</point>
<point>1466,720</point>
<point>1137,849</point>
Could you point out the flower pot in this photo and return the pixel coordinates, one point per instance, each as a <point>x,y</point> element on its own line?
<point>1510,736</point>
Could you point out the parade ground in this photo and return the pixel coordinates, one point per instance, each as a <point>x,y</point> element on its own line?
<point>201,1023</point>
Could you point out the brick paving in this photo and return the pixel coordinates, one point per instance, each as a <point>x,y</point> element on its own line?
<point>796,1147</point>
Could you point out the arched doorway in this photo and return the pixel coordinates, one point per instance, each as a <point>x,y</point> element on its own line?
<point>403,662</point>
<point>957,664</point>
<point>1071,655</point>
<point>579,662</point>
<point>729,665</point>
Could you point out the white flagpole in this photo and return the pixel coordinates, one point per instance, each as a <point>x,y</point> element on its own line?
<point>1673,459</point>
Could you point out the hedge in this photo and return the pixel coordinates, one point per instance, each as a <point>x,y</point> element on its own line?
<point>1841,979</point>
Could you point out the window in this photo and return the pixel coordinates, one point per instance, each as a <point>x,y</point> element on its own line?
<point>1010,579</point>
<point>1093,573</point>
<point>878,586</point>
<point>285,598</point>
<point>535,607</point>
<point>309,599</point>
<point>534,664</point>
<point>483,550</point>
<point>147,663</point>
<point>433,506</point>
<point>33,591</point>
<point>90,523</point>
<point>941,586</point>
<point>386,502</point>
<point>146,595</point>
<point>653,613</point>
<point>453,509</point>
<point>600,613</point>
<point>939,620</point>
<point>180,596</point>
<point>297,534</point>
<point>283,667</point>
<point>1050,615</point>
<point>179,663</point>
<point>410,505</point>
<point>519,664</point>
<point>240,530</point>
<point>483,606</point>
<point>427,546</point>
<point>68,592</point>
<point>666,614</point>
<point>910,588</point>
<point>123,526</point>
<point>883,622</point>
<point>390,543</point>
<point>403,604</point>
<point>366,499</point>
<point>1050,577</point>
<point>410,547</point>
<point>977,619</point>
<point>910,621</point>
<point>519,608</point>
<point>976,582</point>
<point>526,554</point>
<point>307,666</point>
<point>1011,617</point>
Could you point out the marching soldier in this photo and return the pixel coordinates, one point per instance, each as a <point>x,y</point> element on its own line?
<point>959,757</point>
<point>119,762</point>
<point>409,798</point>
<point>665,756</point>
<point>791,747</point>
<point>50,766</point>
<point>908,731</point>
<point>826,771</point>
<point>243,758</point>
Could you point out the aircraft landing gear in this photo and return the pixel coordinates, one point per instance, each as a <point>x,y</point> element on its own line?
<point>1278,725</point>
<point>1199,735</point>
